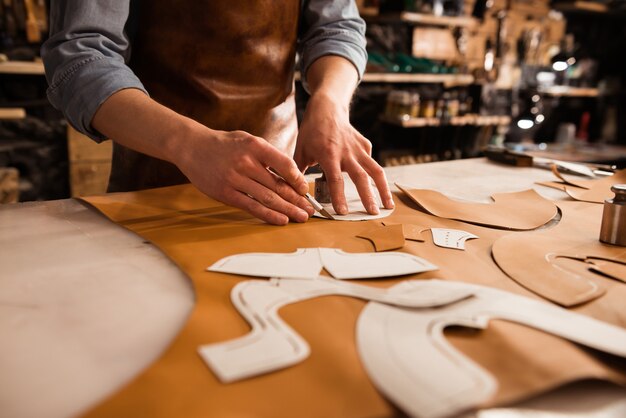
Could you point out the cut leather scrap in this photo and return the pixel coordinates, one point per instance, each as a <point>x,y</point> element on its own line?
<point>411,232</point>
<point>524,210</point>
<point>552,184</point>
<point>599,190</point>
<point>451,238</point>
<point>308,262</point>
<point>272,344</point>
<point>529,260</point>
<point>567,181</point>
<point>384,238</point>
<point>408,358</point>
<point>615,269</point>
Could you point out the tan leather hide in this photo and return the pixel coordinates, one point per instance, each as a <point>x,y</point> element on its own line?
<point>195,231</point>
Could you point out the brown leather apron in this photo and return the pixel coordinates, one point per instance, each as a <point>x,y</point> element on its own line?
<point>226,63</point>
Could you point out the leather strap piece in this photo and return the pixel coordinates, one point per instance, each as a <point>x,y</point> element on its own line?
<point>195,232</point>
<point>519,211</point>
<point>229,73</point>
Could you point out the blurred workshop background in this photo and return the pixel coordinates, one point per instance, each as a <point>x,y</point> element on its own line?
<point>445,79</point>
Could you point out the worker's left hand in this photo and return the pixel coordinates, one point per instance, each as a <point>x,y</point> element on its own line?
<point>327,138</point>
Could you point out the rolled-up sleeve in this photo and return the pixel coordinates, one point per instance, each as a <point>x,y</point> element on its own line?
<point>86,58</point>
<point>331,28</point>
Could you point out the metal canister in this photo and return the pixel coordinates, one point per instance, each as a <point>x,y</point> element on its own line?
<point>613,229</point>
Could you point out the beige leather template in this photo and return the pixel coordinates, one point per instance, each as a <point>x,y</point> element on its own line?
<point>195,232</point>
<point>384,238</point>
<point>518,211</point>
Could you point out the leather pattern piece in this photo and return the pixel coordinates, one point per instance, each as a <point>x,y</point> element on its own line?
<point>229,73</point>
<point>308,262</point>
<point>272,345</point>
<point>539,271</point>
<point>411,232</point>
<point>384,238</point>
<point>195,231</point>
<point>518,211</point>
<point>410,361</point>
<point>535,260</point>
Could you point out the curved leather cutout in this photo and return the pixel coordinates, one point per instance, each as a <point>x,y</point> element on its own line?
<point>407,357</point>
<point>524,210</point>
<point>532,259</point>
<point>599,190</point>
<point>272,344</point>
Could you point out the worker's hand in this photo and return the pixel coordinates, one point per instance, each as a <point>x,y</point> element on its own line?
<point>233,167</point>
<point>327,138</point>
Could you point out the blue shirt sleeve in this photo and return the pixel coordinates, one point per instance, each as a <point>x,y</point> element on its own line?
<point>331,28</point>
<point>85,58</point>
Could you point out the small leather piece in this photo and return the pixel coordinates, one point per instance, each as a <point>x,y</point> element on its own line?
<point>411,232</point>
<point>519,211</point>
<point>384,238</point>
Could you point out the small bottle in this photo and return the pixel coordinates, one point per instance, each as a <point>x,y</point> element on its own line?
<point>427,109</point>
<point>415,105</point>
<point>453,105</point>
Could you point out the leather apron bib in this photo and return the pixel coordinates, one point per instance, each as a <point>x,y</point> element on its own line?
<point>227,64</point>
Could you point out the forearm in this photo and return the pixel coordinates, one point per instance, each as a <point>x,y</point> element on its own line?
<point>229,166</point>
<point>134,120</point>
<point>333,77</point>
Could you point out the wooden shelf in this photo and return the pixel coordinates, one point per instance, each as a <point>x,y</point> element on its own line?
<point>456,21</point>
<point>455,79</point>
<point>22,67</point>
<point>466,120</point>
<point>447,79</point>
<point>10,113</point>
<point>421,19</point>
<point>581,7</point>
<point>566,91</point>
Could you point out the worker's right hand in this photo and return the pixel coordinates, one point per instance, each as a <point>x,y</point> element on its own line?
<point>234,168</point>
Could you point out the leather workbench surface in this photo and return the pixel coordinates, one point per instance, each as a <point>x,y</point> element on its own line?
<point>82,297</point>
